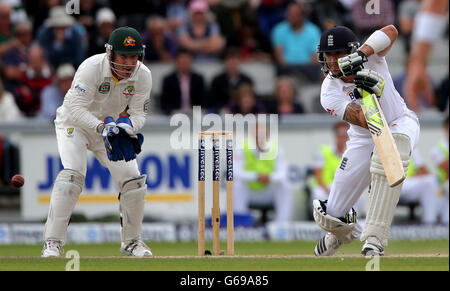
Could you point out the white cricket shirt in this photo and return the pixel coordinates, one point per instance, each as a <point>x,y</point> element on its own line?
<point>335,95</point>
<point>94,95</point>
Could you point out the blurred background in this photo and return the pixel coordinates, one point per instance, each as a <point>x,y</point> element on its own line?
<point>241,58</point>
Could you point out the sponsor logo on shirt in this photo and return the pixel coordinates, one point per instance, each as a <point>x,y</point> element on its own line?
<point>330,111</point>
<point>104,87</point>
<point>69,132</point>
<point>343,163</point>
<point>80,89</point>
<point>146,105</point>
<point>351,95</point>
<point>129,91</point>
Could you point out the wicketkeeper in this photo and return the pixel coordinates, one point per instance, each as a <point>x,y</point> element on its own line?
<point>352,71</point>
<point>103,110</point>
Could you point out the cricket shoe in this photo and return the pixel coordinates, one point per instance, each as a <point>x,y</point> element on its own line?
<point>52,248</point>
<point>327,245</point>
<point>136,248</point>
<point>372,247</point>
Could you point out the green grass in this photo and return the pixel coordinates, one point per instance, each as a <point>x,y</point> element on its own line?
<point>273,256</point>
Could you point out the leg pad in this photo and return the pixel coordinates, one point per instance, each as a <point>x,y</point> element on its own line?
<point>66,190</point>
<point>131,206</point>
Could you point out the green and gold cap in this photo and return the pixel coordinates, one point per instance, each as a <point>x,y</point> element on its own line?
<point>126,40</point>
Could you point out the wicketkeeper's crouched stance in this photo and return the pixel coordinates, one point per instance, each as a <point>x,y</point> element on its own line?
<point>358,75</point>
<point>113,87</point>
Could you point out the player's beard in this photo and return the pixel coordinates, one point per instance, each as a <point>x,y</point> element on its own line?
<point>334,69</point>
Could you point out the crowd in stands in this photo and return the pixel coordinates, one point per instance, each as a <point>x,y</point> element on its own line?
<point>41,46</point>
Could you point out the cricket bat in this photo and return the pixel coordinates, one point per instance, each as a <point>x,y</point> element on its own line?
<point>382,137</point>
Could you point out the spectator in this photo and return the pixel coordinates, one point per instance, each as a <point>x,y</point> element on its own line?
<point>105,22</point>
<point>36,76</point>
<point>285,95</point>
<point>177,14</point>
<point>421,186</point>
<point>9,111</point>
<point>329,13</point>
<point>15,60</point>
<point>254,45</point>
<point>159,47</point>
<point>270,13</point>
<point>230,15</point>
<point>18,13</point>
<point>365,21</point>
<point>424,99</point>
<point>86,21</point>
<point>439,156</point>
<point>41,12</point>
<point>429,26</point>
<point>182,88</point>
<point>408,10</point>
<point>261,176</point>
<point>201,35</point>
<point>224,85</point>
<point>88,14</point>
<point>60,40</point>
<point>246,101</point>
<point>295,40</point>
<point>7,39</point>
<point>53,95</point>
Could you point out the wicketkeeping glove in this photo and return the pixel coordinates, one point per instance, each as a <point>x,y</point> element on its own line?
<point>130,141</point>
<point>109,135</point>
<point>352,63</point>
<point>370,81</point>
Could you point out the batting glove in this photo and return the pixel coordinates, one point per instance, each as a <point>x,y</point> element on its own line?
<point>370,81</point>
<point>352,63</point>
<point>360,93</point>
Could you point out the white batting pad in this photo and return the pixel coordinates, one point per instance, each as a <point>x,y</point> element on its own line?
<point>382,198</point>
<point>66,190</point>
<point>131,207</point>
<point>343,231</point>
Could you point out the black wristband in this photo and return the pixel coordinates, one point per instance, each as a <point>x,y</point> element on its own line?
<point>363,55</point>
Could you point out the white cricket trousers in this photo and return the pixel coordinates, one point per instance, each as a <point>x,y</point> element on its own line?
<point>319,193</point>
<point>73,147</point>
<point>353,176</point>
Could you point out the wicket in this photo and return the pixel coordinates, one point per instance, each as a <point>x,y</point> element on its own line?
<point>215,213</point>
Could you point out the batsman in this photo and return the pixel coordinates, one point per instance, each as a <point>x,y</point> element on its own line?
<point>102,112</point>
<point>358,88</point>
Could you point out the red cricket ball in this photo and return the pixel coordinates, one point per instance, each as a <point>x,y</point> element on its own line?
<point>17,180</point>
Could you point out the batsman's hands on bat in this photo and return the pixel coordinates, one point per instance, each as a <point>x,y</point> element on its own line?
<point>369,81</point>
<point>352,63</point>
<point>130,141</point>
